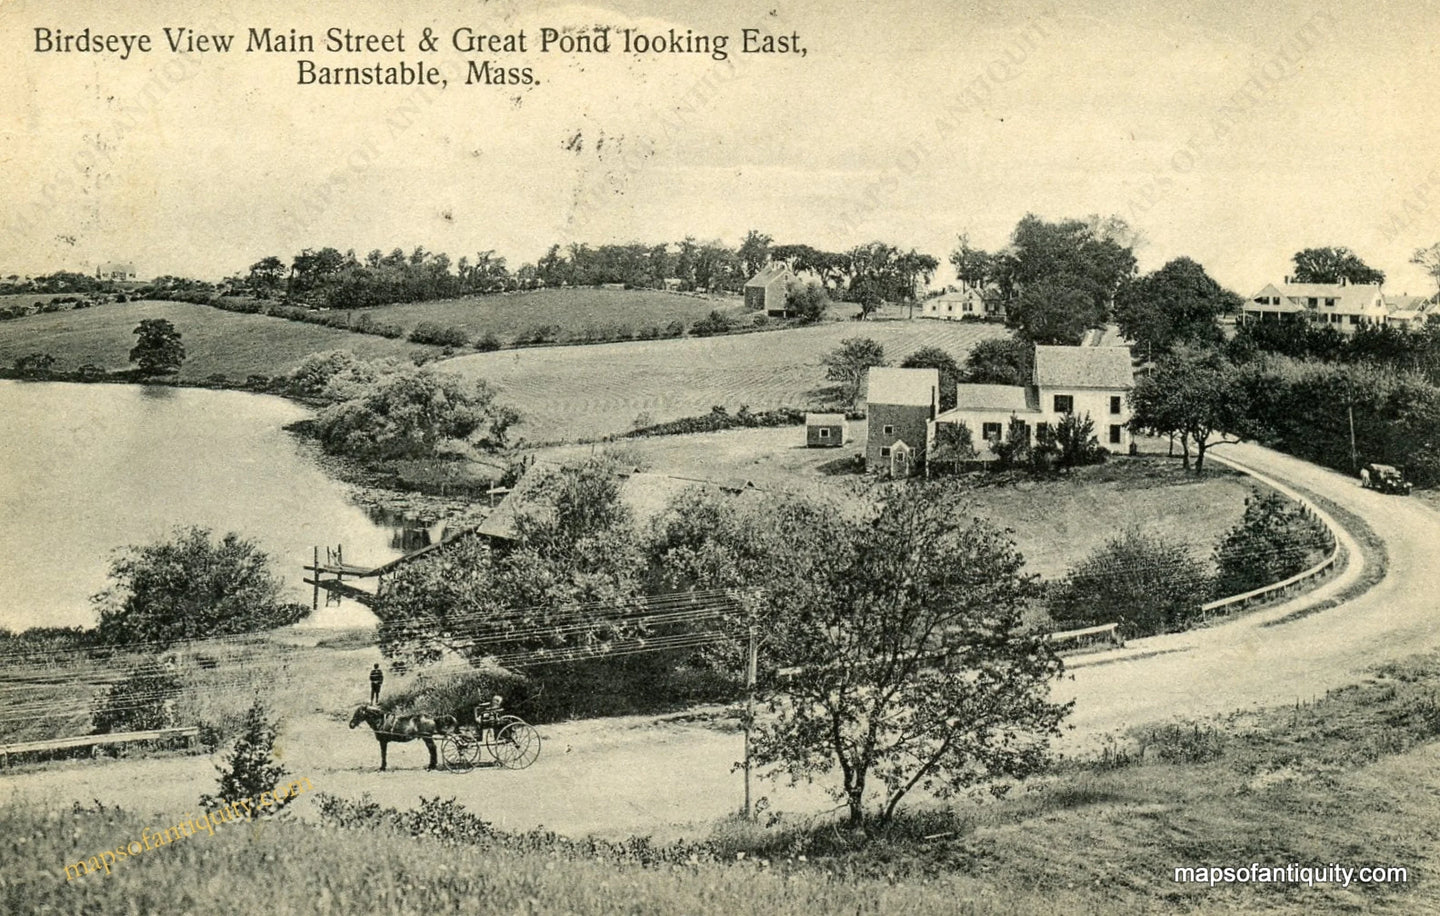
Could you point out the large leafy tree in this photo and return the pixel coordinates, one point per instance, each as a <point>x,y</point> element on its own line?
<point>574,565</point>
<point>1179,303</point>
<point>1000,361</point>
<point>1195,394</point>
<point>1054,310</point>
<point>909,667</point>
<point>936,358</point>
<point>754,252</point>
<point>1429,260</point>
<point>849,362</point>
<point>1331,265</point>
<point>158,349</point>
<point>409,413</point>
<point>191,586</point>
<point>1147,582</point>
<point>1093,255</point>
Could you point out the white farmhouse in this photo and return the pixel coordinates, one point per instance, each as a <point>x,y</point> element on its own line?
<point>1091,381</point>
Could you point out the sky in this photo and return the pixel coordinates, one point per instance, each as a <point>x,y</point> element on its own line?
<point>1232,133</point>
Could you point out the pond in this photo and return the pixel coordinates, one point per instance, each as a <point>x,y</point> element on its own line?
<point>88,469</point>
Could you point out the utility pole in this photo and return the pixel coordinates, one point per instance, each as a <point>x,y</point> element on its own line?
<point>750,706</point>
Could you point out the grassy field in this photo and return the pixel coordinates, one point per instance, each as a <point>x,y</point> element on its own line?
<point>571,309</point>
<point>1350,778</point>
<point>216,342</point>
<point>569,393</point>
<point>1057,522</point>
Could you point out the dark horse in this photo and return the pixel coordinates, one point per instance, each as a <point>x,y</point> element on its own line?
<point>391,727</point>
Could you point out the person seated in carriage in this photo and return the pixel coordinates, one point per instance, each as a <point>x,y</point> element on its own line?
<point>488,716</point>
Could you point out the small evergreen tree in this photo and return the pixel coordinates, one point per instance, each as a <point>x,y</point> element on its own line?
<point>1275,540</point>
<point>1076,440</point>
<point>250,768</point>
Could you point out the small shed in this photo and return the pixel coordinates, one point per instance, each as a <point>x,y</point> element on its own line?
<point>768,290</point>
<point>825,430</point>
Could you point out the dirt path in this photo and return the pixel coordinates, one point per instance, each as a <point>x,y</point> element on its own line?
<point>670,776</point>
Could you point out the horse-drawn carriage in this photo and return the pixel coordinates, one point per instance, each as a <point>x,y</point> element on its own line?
<point>510,741</point>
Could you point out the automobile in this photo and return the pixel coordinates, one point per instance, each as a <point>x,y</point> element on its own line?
<point>1384,478</point>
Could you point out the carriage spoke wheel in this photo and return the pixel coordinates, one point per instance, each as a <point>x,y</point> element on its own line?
<point>459,754</point>
<point>517,746</point>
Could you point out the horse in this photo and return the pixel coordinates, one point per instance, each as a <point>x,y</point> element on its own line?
<point>391,727</point>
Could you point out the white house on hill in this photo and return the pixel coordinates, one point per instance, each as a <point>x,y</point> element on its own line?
<point>1346,307</point>
<point>1067,380</point>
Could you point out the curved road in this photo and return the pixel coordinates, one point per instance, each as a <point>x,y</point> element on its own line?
<point>642,775</point>
<point>1245,663</point>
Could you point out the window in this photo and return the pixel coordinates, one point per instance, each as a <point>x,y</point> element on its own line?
<point>824,433</point>
<point>1312,302</point>
<point>990,432</point>
<point>1354,319</point>
<point>1330,302</point>
<point>1064,403</point>
<point>1114,434</point>
<point>1114,403</point>
<point>888,430</point>
<point>885,452</point>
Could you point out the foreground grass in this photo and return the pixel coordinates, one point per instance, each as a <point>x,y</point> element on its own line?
<point>1348,779</point>
<point>216,342</point>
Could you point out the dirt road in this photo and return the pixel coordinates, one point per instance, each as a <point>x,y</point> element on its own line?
<point>670,776</point>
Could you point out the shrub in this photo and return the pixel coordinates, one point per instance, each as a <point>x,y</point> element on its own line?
<point>430,332</point>
<point>675,328</point>
<point>714,323</point>
<point>191,586</point>
<point>1275,539</point>
<point>251,769</point>
<point>144,700</point>
<point>1145,582</point>
<point>488,342</point>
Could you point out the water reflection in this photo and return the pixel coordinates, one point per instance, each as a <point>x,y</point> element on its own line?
<point>407,534</point>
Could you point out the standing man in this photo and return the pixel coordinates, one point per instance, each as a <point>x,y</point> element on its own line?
<point>377,677</point>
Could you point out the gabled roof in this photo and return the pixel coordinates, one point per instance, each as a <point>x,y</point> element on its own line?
<point>1108,336</point>
<point>1008,398</point>
<point>1083,367</point>
<point>911,387</point>
<point>769,274</point>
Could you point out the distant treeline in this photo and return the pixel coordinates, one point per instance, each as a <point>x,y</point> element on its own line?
<point>868,274</point>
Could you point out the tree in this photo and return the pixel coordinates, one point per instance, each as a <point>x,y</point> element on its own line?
<point>911,668</point>
<point>575,564</point>
<point>251,771</point>
<point>1000,361</point>
<point>1054,310</point>
<point>1014,450</point>
<point>1429,259</point>
<point>1332,265</point>
<point>936,358</point>
<point>754,252</point>
<point>1275,540</point>
<point>806,301</point>
<point>410,413</point>
<point>1144,581</point>
<point>1194,394</point>
<point>191,586</point>
<point>1092,256</point>
<point>265,276</point>
<point>954,445</point>
<point>973,266</point>
<point>1076,440</point>
<point>158,349</point>
<point>1179,303</point>
<point>849,362</point>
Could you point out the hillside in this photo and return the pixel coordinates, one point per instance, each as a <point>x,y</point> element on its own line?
<point>573,310</point>
<point>216,341</point>
<point>569,393</point>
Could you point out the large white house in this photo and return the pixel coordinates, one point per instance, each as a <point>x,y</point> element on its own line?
<point>1091,381</point>
<point>969,302</point>
<point>1346,307</point>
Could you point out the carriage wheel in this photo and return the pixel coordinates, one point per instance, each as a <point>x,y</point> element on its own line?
<point>517,746</point>
<point>460,754</point>
<point>492,733</point>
